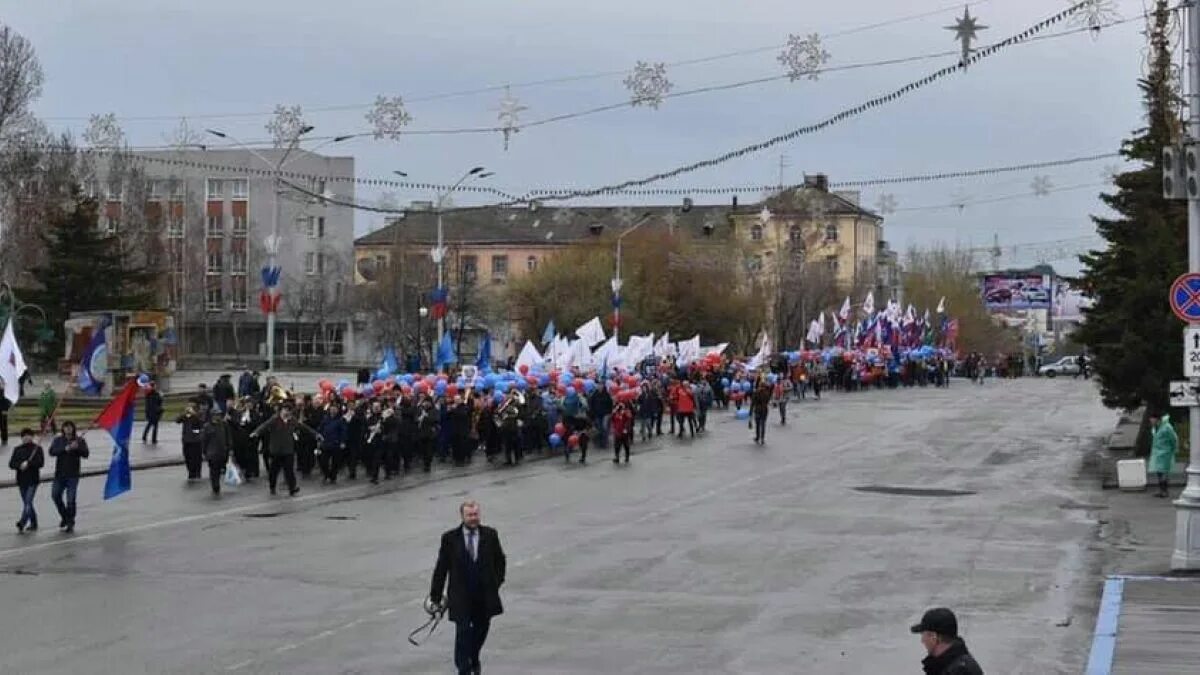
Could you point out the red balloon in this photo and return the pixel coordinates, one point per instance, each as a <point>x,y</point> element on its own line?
<point>348,393</point>
<point>562,391</point>
<point>573,440</point>
<point>631,381</point>
<point>406,390</point>
<point>452,390</point>
<point>578,384</point>
<point>523,369</point>
<point>378,385</point>
<point>531,380</point>
<point>325,385</point>
<point>421,387</point>
<point>560,429</point>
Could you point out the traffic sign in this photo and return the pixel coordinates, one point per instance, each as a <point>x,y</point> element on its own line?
<point>1191,351</point>
<point>1184,394</point>
<point>1185,297</point>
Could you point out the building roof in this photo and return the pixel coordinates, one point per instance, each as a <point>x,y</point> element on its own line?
<point>803,200</point>
<point>550,225</point>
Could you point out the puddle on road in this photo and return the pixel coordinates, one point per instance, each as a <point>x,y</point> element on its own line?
<point>261,515</point>
<point>912,491</point>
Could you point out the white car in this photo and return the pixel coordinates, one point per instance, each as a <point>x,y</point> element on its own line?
<point>1036,295</point>
<point>1067,365</point>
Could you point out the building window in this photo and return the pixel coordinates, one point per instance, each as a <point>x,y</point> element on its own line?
<point>320,227</point>
<point>238,300</point>
<point>237,262</point>
<point>175,188</point>
<point>313,226</point>
<point>499,269</point>
<point>216,189</point>
<point>215,262</point>
<point>832,261</point>
<point>216,225</point>
<point>213,299</point>
<point>113,193</point>
<point>314,264</point>
<point>831,232</point>
<point>154,189</point>
<point>756,232</point>
<point>470,268</point>
<point>109,225</point>
<point>755,263</point>
<point>239,188</point>
<point>174,228</point>
<point>795,234</point>
<point>531,263</point>
<point>240,226</point>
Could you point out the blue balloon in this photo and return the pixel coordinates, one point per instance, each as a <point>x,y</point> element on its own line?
<point>746,387</point>
<point>544,381</point>
<point>407,378</point>
<point>725,382</point>
<point>498,398</point>
<point>521,384</point>
<point>555,440</point>
<point>461,382</point>
<point>342,384</point>
<point>589,386</point>
<point>743,414</point>
<point>772,378</point>
<point>572,395</point>
<point>440,387</point>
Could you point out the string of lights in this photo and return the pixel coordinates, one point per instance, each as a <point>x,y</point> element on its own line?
<point>492,89</point>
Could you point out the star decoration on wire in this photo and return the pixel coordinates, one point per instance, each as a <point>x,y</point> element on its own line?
<point>1094,15</point>
<point>670,219</point>
<point>103,132</point>
<point>965,30</point>
<point>811,202</point>
<point>886,203</point>
<point>184,137</point>
<point>1041,186</point>
<point>803,56</point>
<point>285,125</point>
<point>764,216</point>
<point>648,84</point>
<point>388,117</point>
<point>510,115</point>
<point>562,216</point>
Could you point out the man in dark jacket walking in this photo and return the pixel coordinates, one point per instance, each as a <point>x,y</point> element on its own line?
<point>947,653</point>
<point>27,460</point>
<point>192,437</point>
<point>281,431</point>
<point>69,449</point>
<point>217,443</point>
<point>472,557</point>
<point>154,413</point>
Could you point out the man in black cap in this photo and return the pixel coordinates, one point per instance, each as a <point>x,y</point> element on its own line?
<point>948,653</point>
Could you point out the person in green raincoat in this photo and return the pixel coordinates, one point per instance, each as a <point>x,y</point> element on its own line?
<point>47,406</point>
<point>1163,445</point>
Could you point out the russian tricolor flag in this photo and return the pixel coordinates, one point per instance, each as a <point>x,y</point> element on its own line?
<point>117,420</point>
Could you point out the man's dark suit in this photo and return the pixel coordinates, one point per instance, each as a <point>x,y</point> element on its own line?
<point>474,594</point>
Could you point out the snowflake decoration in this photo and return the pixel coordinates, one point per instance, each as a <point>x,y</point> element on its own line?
<point>886,203</point>
<point>625,216</point>
<point>1110,172</point>
<point>670,219</point>
<point>509,116</point>
<point>184,137</point>
<point>388,117</point>
<point>959,200</point>
<point>803,56</point>
<point>811,202</point>
<point>286,125</point>
<point>648,84</point>
<point>103,132</point>
<point>965,31</point>
<point>764,216</point>
<point>1041,186</point>
<point>562,216</point>
<point>1094,15</point>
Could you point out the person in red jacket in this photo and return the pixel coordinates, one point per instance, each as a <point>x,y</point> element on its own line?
<point>685,407</point>
<point>622,429</point>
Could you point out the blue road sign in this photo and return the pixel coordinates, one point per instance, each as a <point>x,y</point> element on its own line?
<point>1185,297</point>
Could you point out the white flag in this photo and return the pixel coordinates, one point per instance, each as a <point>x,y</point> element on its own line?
<point>12,364</point>
<point>763,354</point>
<point>591,332</point>
<point>844,312</point>
<point>529,356</point>
<point>942,305</point>
<point>869,303</point>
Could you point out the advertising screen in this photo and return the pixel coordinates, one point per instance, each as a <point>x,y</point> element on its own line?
<point>1017,291</point>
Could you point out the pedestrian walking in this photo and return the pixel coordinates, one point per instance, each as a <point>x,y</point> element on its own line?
<point>154,413</point>
<point>68,449</point>
<point>217,442</point>
<point>1163,445</point>
<point>947,653</point>
<point>47,406</point>
<point>27,460</point>
<point>622,428</point>
<point>471,556</point>
<point>760,407</point>
<point>782,393</point>
<point>5,404</point>
<point>333,431</point>
<point>281,429</point>
<point>685,408</point>
<point>192,437</point>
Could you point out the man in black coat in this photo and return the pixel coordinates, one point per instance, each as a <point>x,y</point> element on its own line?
<point>471,555</point>
<point>947,653</point>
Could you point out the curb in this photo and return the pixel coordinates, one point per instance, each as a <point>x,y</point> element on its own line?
<point>87,473</point>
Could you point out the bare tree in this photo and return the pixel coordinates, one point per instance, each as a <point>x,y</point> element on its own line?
<point>20,83</point>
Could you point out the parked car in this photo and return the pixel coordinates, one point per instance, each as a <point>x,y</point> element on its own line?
<point>999,295</point>
<point>1036,296</point>
<point>1067,365</point>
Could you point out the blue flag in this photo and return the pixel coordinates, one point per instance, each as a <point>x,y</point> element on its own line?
<point>117,420</point>
<point>484,362</point>
<point>93,367</point>
<point>548,334</point>
<point>445,352</point>
<point>389,365</point>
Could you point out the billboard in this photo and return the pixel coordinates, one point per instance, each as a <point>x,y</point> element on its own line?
<point>1017,291</point>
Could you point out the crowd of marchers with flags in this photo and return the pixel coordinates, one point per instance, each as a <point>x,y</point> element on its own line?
<point>567,397</point>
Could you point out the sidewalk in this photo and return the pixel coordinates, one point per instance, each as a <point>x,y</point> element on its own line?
<point>187,381</point>
<point>168,452</point>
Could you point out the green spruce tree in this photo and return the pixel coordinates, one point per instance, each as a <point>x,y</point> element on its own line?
<point>85,269</point>
<point>1129,331</point>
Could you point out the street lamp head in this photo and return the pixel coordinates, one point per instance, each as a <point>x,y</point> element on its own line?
<point>487,174</point>
<point>216,133</point>
<point>305,129</point>
<point>424,312</point>
<point>339,139</point>
<point>401,174</point>
<point>476,170</point>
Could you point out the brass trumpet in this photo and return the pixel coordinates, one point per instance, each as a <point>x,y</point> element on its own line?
<point>277,395</point>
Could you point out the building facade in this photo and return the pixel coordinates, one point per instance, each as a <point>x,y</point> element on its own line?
<point>217,212</point>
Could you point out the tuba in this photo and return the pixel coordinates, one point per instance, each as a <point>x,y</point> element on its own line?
<point>277,395</point>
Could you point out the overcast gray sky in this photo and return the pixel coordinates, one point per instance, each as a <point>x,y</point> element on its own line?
<point>1058,98</point>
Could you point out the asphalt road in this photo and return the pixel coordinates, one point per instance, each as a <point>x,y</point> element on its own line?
<point>704,556</point>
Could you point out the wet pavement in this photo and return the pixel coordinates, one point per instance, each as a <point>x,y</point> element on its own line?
<point>812,554</point>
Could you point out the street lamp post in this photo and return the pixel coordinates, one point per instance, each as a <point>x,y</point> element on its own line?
<point>617,282</point>
<point>273,241</point>
<point>15,307</point>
